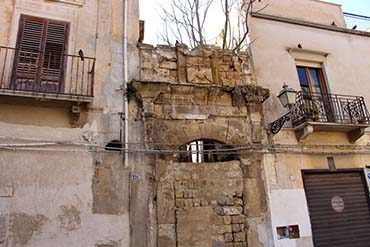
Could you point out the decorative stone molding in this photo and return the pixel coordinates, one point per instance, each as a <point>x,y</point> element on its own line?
<point>202,65</point>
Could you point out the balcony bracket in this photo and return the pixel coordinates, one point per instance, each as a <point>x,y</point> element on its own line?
<point>75,114</point>
<point>303,133</point>
<point>356,134</point>
<point>276,126</point>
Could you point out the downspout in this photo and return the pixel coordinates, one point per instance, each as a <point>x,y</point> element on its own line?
<point>125,108</point>
<point>125,79</point>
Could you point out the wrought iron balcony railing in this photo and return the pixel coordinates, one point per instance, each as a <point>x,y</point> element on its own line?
<point>329,108</point>
<point>50,75</point>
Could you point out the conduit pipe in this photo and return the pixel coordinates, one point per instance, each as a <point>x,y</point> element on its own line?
<point>125,79</point>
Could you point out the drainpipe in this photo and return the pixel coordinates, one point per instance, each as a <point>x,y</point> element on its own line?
<point>125,79</point>
<point>125,108</point>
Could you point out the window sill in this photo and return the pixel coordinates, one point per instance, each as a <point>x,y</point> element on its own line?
<point>79,3</point>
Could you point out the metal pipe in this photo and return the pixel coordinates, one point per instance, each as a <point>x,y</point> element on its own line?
<point>125,79</point>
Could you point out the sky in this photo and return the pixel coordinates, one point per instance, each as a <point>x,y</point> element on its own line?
<point>150,12</point>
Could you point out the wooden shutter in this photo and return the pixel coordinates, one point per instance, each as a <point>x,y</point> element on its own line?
<point>53,59</point>
<point>39,63</point>
<point>28,56</point>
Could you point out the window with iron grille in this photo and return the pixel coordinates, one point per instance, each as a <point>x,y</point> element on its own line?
<point>40,58</point>
<point>206,151</point>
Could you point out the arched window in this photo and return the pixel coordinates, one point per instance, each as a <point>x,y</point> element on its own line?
<point>205,151</point>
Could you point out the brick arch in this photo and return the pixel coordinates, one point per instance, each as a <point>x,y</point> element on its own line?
<point>187,131</point>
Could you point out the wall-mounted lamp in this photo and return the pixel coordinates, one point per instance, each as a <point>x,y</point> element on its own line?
<point>287,97</point>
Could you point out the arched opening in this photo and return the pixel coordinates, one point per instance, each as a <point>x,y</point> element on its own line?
<point>114,145</point>
<point>206,151</point>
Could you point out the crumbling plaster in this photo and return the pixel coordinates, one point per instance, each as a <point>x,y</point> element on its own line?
<point>182,96</point>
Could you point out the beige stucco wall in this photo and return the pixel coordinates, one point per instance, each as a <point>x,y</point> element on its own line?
<point>52,194</point>
<point>308,10</point>
<point>346,67</point>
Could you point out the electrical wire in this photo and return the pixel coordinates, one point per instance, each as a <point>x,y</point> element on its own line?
<point>236,151</point>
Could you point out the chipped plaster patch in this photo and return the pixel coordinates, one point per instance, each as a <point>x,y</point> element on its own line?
<point>23,227</point>
<point>69,218</point>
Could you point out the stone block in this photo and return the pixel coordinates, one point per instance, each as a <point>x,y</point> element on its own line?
<point>232,210</point>
<point>221,201</point>
<point>221,229</point>
<point>236,228</point>
<point>237,219</point>
<point>204,202</point>
<point>180,203</point>
<point>196,202</point>
<point>218,220</point>
<point>238,202</point>
<point>228,237</point>
<point>227,220</point>
<point>191,184</point>
<point>219,210</point>
<point>239,237</point>
<point>196,194</point>
<point>188,203</point>
<point>229,201</point>
<point>188,194</point>
<point>179,194</point>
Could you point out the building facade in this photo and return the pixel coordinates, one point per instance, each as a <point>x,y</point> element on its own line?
<point>105,141</point>
<point>62,103</point>
<point>315,171</point>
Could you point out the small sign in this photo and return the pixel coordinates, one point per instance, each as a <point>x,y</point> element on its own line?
<point>135,177</point>
<point>337,204</point>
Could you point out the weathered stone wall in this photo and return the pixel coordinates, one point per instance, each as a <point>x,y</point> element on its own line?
<point>183,96</point>
<point>203,65</point>
<point>208,205</point>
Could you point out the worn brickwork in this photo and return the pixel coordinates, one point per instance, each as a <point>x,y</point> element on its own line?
<point>206,93</point>
<point>191,195</point>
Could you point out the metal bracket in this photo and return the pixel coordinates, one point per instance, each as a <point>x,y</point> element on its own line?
<point>276,126</point>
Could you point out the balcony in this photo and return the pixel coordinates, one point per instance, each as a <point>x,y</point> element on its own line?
<point>329,112</point>
<point>46,75</point>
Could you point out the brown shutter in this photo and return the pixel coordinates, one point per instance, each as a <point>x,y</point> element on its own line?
<point>53,59</point>
<point>339,208</point>
<point>28,57</point>
<point>39,61</point>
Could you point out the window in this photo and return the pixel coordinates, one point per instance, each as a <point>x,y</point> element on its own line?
<point>317,103</point>
<point>206,151</point>
<point>312,80</point>
<point>39,60</point>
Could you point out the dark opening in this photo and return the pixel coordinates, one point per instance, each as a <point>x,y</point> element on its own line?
<point>206,151</point>
<point>114,145</point>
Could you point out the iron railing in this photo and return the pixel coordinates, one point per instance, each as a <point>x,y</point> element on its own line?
<point>329,108</point>
<point>46,73</point>
<point>358,22</point>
